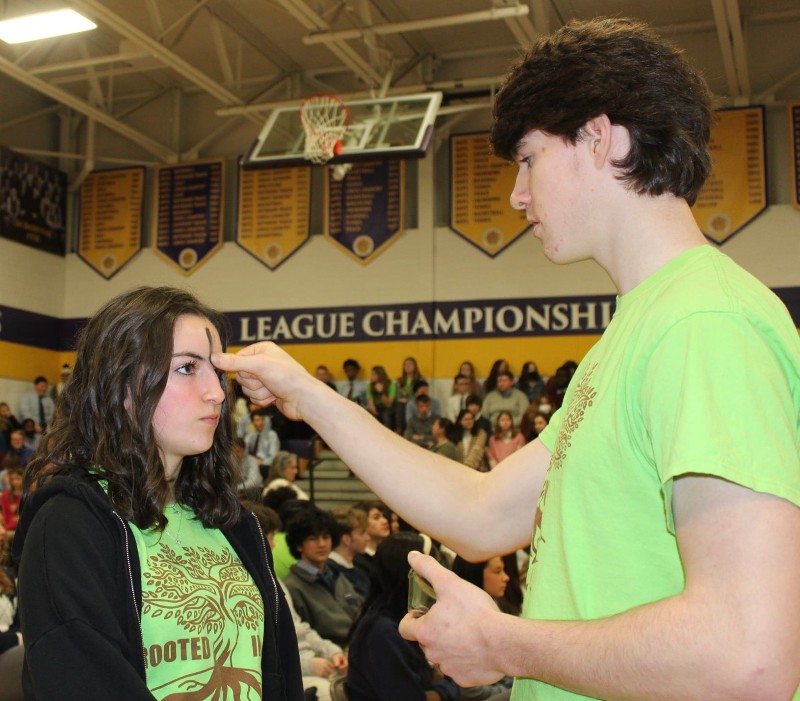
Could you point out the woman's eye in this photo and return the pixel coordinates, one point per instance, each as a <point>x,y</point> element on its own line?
<point>187,368</point>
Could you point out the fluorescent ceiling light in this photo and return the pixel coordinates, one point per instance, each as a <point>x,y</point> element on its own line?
<point>43,25</point>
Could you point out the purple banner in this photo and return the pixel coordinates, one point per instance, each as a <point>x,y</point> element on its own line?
<point>364,210</point>
<point>189,213</point>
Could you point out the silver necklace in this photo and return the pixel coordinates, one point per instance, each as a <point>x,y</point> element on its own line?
<point>176,538</point>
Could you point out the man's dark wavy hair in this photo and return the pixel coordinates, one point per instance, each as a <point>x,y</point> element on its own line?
<point>103,423</point>
<point>623,69</point>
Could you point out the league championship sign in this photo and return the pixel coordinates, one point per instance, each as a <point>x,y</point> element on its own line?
<point>274,205</point>
<point>736,191</point>
<point>364,210</point>
<point>480,185</point>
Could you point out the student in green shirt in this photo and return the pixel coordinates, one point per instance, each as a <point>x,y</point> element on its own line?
<point>664,521</point>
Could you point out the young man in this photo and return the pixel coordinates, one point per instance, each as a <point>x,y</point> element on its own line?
<point>37,405</point>
<point>353,540</point>
<point>353,388</point>
<point>325,600</point>
<point>419,428</point>
<point>660,563</point>
<point>262,442</point>
<point>458,400</point>
<point>319,658</point>
<point>505,398</point>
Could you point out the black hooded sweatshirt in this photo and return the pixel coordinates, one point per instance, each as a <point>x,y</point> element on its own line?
<point>80,597</point>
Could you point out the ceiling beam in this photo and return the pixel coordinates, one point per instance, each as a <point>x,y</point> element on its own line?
<point>70,100</point>
<point>731,43</point>
<point>313,22</point>
<point>96,10</point>
<point>322,37</point>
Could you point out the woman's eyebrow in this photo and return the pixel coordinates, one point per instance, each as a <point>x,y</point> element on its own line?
<point>188,354</point>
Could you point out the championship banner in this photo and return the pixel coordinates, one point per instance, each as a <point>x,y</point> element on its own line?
<point>364,211</point>
<point>736,191</point>
<point>274,205</point>
<point>480,186</point>
<point>33,203</point>
<point>793,113</point>
<point>189,213</point>
<point>111,219</point>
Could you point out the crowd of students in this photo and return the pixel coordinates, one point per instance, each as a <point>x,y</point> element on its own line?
<point>345,575</point>
<point>479,424</point>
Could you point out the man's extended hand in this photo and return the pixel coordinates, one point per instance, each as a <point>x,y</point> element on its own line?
<point>268,375</point>
<point>456,632</point>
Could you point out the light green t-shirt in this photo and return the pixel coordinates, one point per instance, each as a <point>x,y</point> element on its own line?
<point>202,614</point>
<point>698,366</point>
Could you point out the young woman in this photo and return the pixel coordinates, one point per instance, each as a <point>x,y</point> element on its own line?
<point>384,666</point>
<point>470,441</point>
<point>10,500</point>
<point>530,381</point>
<point>506,439</point>
<point>405,391</point>
<point>490,576</point>
<point>533,423</point>
<point>283,472</point>
<point>468,370</point>
<point>8,423</point>
<point>141,576</point>
<point>490,384</point>
<point>381,393</point>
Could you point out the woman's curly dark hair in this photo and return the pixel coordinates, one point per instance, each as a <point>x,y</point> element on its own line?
<point>625,70</point>
<point>103,425</point>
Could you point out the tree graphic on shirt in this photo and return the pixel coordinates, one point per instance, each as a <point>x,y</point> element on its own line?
<point>202,590</point>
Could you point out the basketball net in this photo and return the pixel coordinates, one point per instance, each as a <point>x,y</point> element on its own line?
<point>325,119</point>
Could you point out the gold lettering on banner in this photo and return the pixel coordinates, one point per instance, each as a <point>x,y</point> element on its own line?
<point>274,208</point>
<point>480,187</point>
<point>111,218</point>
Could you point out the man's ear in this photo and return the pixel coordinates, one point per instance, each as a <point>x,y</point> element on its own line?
<point>608,143</point>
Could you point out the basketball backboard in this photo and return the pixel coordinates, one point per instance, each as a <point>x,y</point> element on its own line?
<point>399,126</point>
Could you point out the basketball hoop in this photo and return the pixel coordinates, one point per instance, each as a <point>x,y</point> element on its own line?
<point>325,119</point>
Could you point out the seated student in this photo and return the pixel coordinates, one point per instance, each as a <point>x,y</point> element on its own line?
<point>323,598</point>
<point>320,659</point>
<point>17,449</point>
<point>378,519</point>
<point>32,438</point>
<point>381,393</point>
<point>10,500</point>
<point>443,431</point>
<point>505,397</point>
<point>384,666</point>
<point>470,442</point>
<point>419,427</point>
<point>475,406</point>
<point>284,502</point>
<point>458,399</point>
<point>353,388</point>
<point>8,422</point>
<point>421,387</point>
<point>283,473</point>
<point>249,486</point>
<point>489,575</point>
<point>506,439</point>
<point>324,375</point>
<point>262,442</point>
<point>353,541</point>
